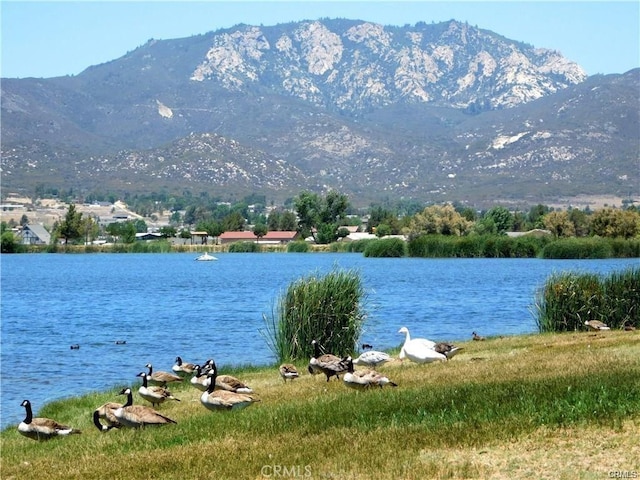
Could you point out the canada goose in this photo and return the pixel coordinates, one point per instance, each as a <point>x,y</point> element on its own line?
<point>229,382</point>
<point>288,371</point>
<point>121,342</point>
<point>135,416</point>
<point>447,349</point>
<point>628,326</point>
<point>161,378</point>
<point>367,346</point>
<point>372,358</point>
<point>416,344</point>
<point>596,325</point>
<point>41,428</point>
<point>362,379</point>
<point>198,380</point>
<point>154,394</point>
<point>329,364</point>
<point>75,347</point>
<point>183,367</point>
<point>477,337</point>
<point>213,399</point>
<point>106,412</point>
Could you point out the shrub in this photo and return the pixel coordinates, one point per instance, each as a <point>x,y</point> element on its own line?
<point>327,308</point>
<point>298,247</point>
<point>244,247</point>
<point>578,248</point>
<point>359,246</point>
<point>386,247</point>
<point>567,300</point>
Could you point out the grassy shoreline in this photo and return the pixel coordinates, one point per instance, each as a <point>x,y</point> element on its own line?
<point>533,406</point>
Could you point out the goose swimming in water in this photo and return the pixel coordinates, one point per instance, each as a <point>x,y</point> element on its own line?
<point>38,428</point>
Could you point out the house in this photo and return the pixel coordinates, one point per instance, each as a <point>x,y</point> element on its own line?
<point>536,232</point>
<point>270,237</point>
<point>145,236</point>
<point>35,235</point>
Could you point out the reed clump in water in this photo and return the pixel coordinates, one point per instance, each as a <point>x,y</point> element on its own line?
<point>569,299</point>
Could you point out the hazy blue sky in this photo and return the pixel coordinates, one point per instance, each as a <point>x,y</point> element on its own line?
<point>46,39</point>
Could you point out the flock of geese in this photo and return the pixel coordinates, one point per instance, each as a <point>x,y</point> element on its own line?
<point>226,392</point>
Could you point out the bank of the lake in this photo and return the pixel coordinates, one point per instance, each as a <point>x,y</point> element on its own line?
<point>528,406</point>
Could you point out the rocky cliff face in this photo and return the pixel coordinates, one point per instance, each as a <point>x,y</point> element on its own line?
<point>354,66</point>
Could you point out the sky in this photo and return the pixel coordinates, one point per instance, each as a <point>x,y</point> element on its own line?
<point>55,38</point>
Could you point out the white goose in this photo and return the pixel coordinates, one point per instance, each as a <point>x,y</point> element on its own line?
<point>419,350</point>
<point>154,394</point>
<point>372,358</point>
<point>38,428</point>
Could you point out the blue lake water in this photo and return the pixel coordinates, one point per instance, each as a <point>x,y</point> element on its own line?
<point>164,305</point>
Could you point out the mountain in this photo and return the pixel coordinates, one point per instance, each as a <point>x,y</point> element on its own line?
<point>434,112</point>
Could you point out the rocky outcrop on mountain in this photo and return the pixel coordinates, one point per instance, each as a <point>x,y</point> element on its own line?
<point>435,112</point>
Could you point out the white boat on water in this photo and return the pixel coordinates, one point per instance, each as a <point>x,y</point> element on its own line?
<point>205,257</point>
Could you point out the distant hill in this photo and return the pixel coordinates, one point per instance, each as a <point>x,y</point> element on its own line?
<point>432,111</point>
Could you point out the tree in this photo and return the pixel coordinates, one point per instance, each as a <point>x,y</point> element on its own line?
<point>502,219</point>
<point>260,230</point>
<point>442,219</point>
<point>559,224</point>
<point>321,216</point>
<point>613,223</point>
<point>71,227</point>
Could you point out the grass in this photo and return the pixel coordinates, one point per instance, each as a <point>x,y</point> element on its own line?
<point>540,406</point>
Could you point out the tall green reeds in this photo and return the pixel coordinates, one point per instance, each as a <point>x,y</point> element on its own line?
<point>568,299</point>
<point>326,308</point>
<point>386,247</point>
<point>244,247</point>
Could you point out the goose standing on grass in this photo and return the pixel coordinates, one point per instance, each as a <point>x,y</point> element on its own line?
<point>107,413</point>
<point>183,367</point>
<point>288,371</point>
<point>38,428</point>
<point>447,349</point>
<point>154,394</point>
<point>329,364</point>
<point>372,358</point>
<point>199,381</point>
<point>362,379</point>
<point>596,325</point>
<point>213,399</point>
<point>136,416</point>
<point>161,378</point>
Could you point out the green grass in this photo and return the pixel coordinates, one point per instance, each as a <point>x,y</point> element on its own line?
<point>499,400</point>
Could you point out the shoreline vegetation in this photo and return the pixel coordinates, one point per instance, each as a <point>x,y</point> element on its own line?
<point>426,246</point>
<point>551,405</point>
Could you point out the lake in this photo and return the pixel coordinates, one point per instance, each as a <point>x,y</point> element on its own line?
<point>165,305</point>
